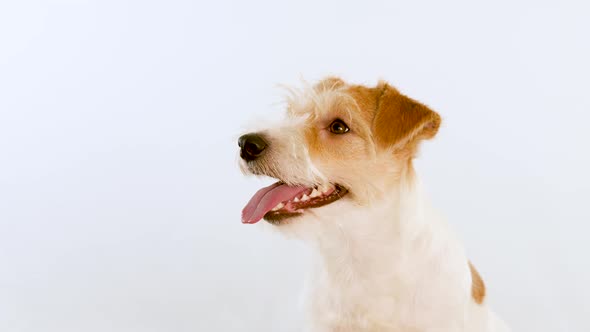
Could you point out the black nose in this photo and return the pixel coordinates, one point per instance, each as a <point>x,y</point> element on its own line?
<point>252,146</point>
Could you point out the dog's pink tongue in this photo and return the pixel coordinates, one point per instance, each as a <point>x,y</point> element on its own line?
<point>266,199</point>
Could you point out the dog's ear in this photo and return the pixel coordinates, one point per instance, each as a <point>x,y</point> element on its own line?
<point>401,121</point>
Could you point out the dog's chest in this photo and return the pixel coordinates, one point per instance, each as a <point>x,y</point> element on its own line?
<point>362,304</point>
<point>385,294</point>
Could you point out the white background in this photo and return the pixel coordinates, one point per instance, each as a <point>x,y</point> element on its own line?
<point>120,197</point>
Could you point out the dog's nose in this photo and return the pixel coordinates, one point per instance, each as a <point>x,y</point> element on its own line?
<point>252,146</point>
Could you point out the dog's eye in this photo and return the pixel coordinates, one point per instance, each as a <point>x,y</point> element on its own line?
<point>338,127</point>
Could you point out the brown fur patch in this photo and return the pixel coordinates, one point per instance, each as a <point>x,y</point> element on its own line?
<point>366,100</point>
<point>478,288</point>
<point>331,102</point>
<point>380,118</point>
<point>401,122</point>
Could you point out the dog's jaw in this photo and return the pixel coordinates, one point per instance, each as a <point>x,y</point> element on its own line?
<point>279,202</point>
<point>298,206</point>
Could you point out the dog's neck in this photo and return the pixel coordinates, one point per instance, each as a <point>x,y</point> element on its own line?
<point>355,241</point>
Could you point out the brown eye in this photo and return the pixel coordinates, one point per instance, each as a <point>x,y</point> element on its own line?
<point>338,127</point>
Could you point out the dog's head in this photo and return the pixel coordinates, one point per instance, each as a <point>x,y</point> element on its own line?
<point>340,144</point>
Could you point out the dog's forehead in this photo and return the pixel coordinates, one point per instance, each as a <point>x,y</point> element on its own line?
<point>366,100</point>
<point>333,96</point>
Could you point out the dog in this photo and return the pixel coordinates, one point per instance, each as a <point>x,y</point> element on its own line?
<point>384,259</point>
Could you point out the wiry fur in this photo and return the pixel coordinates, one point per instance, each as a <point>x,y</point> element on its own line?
<point>385,260</point>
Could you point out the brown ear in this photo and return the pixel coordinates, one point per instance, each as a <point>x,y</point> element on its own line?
<point>401,121</point>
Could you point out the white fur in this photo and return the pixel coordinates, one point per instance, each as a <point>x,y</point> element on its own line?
<point>394,266</point>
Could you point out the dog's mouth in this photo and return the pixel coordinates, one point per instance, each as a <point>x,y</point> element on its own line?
<point>280,201</point>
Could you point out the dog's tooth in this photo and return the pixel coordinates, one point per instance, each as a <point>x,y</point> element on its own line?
<point>314,193</point>
<point>296,199</point>
<point>325,187</point>
<point>304,198</point>
<point>278,207</point>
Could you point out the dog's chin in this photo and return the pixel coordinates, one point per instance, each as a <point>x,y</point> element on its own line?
<point>309,205</point>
